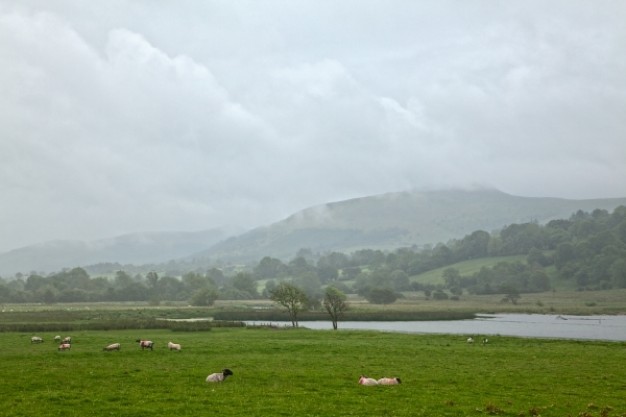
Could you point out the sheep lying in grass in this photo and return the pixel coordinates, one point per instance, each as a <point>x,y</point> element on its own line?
<point>65,346</point>
<point>219,376</point>
<point>114,346</point>
<point>389,381</point>
<point>367,381</point>
<point>146,344</point>
<point>36,339</point>
<point>174,346</point>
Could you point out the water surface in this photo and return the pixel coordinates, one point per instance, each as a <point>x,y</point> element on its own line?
<point>522,325</point>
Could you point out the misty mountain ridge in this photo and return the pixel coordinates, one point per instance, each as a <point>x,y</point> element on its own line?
<point>393,220</point>
<point>388,221</point>
<point>135,248</point>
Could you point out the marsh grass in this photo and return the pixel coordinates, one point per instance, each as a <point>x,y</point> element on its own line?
<point>303,372</point>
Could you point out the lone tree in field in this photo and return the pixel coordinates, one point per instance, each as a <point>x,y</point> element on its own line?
<point>290,297</point>
<point>335,303</point>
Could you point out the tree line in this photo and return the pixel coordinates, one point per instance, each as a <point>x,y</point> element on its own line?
<point>588,250</point>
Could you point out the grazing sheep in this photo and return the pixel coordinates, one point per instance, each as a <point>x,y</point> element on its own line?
<point>114,346</point>
<point>145,344</point>
<point>367,381</point>
<point>57,338</point>
<point>470,340</point>
<point>36,339</point>
<point>174,346</point>
<point>389,381</point>
<point>65,346</point>
<point>485,341</point>
<point>67,339</point>
<point>219,376</point>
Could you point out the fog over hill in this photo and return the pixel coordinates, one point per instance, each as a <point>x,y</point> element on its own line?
<point>137,249</point>
<point>387,222</point>
<point>395,220</point>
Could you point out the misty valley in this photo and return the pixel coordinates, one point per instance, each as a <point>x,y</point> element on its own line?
<point>521,262</point>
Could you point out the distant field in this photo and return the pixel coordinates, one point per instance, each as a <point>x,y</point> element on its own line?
<point>465,268</point>
<point>550,302</point>
<point>309,373</point>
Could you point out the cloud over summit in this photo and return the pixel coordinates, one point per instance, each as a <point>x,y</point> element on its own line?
<point>136,116</point>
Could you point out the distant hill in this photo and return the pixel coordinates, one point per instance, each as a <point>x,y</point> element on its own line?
<point>395,220</point>
<point>387,221</point>
<point>137,249</point>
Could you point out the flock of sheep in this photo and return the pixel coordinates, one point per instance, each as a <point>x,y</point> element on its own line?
<point>66,344</point>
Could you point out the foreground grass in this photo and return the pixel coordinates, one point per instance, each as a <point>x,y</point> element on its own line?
<point>309,373</point>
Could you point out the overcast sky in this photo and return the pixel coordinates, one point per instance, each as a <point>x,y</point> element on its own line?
<point>126,116</point>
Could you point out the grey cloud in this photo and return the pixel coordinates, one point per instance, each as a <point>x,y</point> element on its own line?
<point>153,116</point>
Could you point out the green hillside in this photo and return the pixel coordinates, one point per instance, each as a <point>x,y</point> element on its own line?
<point>394,220</point>
<point>465,268</point>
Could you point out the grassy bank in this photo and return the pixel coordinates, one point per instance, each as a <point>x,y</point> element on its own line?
<point>411,306</point>
<point>309,373</point>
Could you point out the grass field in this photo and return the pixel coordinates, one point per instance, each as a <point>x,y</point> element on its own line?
<point>309,373</point>
<point>465,268</point>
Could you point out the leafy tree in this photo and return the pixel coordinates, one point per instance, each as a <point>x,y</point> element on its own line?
<point>35,282</point>
<point>440,295</point>
<point>204,297</point>
<point>300,266</point>
<point>216,276</point>
<point>452,277</point>
<point>270,268</point>
<point>473,246</point>
<point>310,284</point>
<point>269,287</point>
<point>334,260</point>
<point>193,281</point>
<point>327,273</point>
<point>122,279</point>
<point>335,304</point>
<point>400,280</point>
<point>381,296</point>
<point>152,280</point>
<point>290,297</point>
<point>618,273</point>
<point>350,273</point>
<point>170,288</point>
<point>244,282</point>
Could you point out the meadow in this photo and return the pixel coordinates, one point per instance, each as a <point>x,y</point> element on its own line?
<point>301,372</point>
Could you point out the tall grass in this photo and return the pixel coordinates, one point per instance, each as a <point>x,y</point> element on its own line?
<point>300,372</point>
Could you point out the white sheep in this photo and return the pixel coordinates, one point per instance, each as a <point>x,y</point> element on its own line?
<point>65,346</point>
<point>389,381</point>
<point>67,339</point>
<point>57,338</point>
<point>363,380</point>
<point>146,344</point>
<point>174,346</point>
<point>114,346</point>
<point>36,339</point>
<point>470,340</point>
<point>219,376</point>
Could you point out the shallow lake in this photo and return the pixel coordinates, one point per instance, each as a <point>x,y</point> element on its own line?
<point>522,325</point>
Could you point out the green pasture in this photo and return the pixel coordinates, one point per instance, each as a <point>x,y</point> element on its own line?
<point>465,268</point>
<point>300,372</point>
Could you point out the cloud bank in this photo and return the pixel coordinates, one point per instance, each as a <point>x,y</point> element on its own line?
<point>132,116</point>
